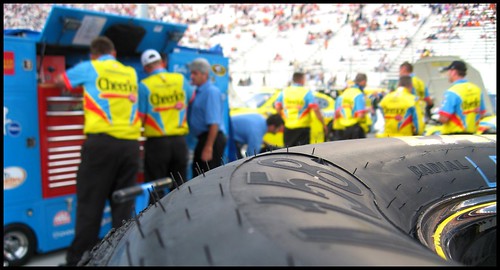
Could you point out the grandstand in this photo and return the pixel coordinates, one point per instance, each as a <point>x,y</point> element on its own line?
<point>266,42</point>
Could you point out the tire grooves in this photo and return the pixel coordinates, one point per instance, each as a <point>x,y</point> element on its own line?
<point>398,191</point>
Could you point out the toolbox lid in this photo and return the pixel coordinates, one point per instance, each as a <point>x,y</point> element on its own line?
<point>22,32</point>
<point>77,28</point>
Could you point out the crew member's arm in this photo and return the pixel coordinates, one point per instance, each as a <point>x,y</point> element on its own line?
<point>359,108</point>
<point>428,98</point>
<point>143,102</point>
<point>415,120</point>
<point>212,118</point>
<point>309,99</point>
<point>61,81</point>
<point>206,154</point>
<point>317,111</point>
<point>75,76</point>
<point>278,105</point>
<point>482,106</point>
<point>447,107</point>
<point>443,118</point>
<point>255,142</point>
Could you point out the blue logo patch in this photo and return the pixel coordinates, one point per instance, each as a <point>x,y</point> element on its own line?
<point>14,129</point>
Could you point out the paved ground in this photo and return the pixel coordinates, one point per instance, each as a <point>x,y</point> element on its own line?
<point>50,259</point>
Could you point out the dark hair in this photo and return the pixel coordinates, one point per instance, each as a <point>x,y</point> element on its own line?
<point>461,73</point>
<point>405,81</point>
<point>297,76</point>
<point>407,66</point>
<point>359,78</point>
<point>101,45</point>
<point>275,119</point>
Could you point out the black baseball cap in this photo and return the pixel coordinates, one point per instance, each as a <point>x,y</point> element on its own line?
<point>458,65</point>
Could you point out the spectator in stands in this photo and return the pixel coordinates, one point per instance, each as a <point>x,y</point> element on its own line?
<point>425,53</point>
<point>463,103</point>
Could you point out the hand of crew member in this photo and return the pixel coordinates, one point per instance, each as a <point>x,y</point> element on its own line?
<point>206,154</point>
<point>325,131</point>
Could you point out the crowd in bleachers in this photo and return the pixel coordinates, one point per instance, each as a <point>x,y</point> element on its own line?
<point>385,26</point>
<point>376,34</point>
<point>462,15</point>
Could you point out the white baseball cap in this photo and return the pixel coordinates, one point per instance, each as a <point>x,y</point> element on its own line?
<point>149,56</point>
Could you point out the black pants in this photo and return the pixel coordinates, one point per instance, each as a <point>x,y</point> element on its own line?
<point>166,157</point>
<point>353,132</point>
<point>238,147</point>
<point>199,166</point>
<point>337,135</point>
<point>459,133</point>
<point>107,164</point>
<point>296,136</point>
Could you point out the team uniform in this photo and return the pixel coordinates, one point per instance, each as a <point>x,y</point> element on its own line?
<point>348,108</point>
<point>400,113</point>
<point>421,91</point>
<point>248,129</point>
<point>463,104</point>
<point>204,110</point>
<point>110,153</point>
<point>297,103</point>
<point>366,122</point>
<point>163,100</point>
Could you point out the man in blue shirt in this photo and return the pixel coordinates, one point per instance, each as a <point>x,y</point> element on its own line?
<point>249,129</point>
<point>205,119</point>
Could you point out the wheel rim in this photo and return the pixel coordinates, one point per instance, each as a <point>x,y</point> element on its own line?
<point>460,228</point>
<point>15,245</point>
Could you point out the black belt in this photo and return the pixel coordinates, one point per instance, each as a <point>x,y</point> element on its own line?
<point>97,135</point>
<point>165,137</point>
<point>459,133</point>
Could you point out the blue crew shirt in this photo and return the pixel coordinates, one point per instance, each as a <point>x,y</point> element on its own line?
<point>206,109</point>
<point>249,129</point>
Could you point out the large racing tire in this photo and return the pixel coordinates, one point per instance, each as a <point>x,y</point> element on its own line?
<point>342,203</point>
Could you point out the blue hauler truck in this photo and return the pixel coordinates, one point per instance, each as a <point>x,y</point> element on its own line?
<point>43,125</point>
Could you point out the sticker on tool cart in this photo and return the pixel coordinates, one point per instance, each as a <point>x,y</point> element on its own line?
<point>62,234</point>
<point>14,129</point>
<point>90,28</point>
<point>13,177</point>
<point>158,29</point>
<point>61,218</point>
<point>10,127</point>
<point>27,65</point>
<point>219,70</point>
<point>8,63</point>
